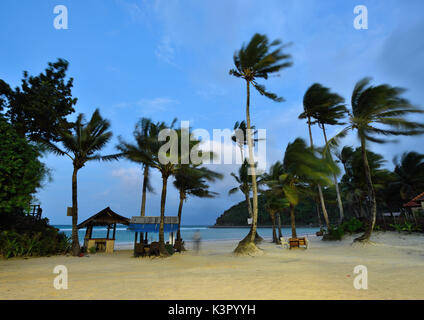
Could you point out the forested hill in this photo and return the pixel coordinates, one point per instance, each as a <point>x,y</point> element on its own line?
<point>237,215</point>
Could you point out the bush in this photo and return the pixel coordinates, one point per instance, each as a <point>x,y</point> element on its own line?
<point>352,226</point>
<point>92,250</point>
<point>169,248</point>
<point>22,235</point>
<point>335,233</point>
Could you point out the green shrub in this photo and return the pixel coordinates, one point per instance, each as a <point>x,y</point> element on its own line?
<point>92,250</point>
<point>169,248</point>
<point>22,235</point>
<point>335,233</point>
<point>352,226</point>
<point>397,227</point>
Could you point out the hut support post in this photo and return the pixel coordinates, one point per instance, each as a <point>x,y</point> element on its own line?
<point>108,229</point>
<point>114,231</point>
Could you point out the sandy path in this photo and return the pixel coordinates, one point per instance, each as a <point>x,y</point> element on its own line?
<point>325,271</point>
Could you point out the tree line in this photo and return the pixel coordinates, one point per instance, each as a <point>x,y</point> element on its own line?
<point>37,112</point>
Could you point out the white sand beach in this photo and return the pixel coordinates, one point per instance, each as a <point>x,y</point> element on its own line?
<point>395,264</point>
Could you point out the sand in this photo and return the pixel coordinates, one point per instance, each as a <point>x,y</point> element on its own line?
<point>395,264</point>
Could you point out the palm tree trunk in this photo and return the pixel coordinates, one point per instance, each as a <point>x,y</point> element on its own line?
<point>144,191</point>
<point>321,196</point>
<point>318,213</point>
<point>279,226</point>
<point>252,165</point>
<point>339,198</point>
<point>274,232</point>
<point>162,248</point>
<point>371,194</point>
<point>76,250</point>
<point>143,195</point>
<point>180,210</point>
<point>249,205</point>
<point>293,222</point>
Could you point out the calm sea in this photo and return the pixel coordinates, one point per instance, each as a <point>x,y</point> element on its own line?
<point>207,234</point>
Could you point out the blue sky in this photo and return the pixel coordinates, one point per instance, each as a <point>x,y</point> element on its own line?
<point>166,59</point>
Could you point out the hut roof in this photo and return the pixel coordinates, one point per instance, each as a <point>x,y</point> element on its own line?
<point>103,218</point>
<point>420,197</point>
<point>416,201</point>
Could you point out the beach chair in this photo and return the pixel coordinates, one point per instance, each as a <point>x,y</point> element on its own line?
<point>298,242</point>
<point>284,242</point>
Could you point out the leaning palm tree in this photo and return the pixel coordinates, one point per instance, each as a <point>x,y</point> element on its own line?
<point>377,110</point>
<point>81,145</point>
<point>302,169</point>
<point>275,200</point>
<point>326,108</point>
<point>257,59</point>
<point>314,98</point>
<point>192,180</point>
<point>141,153</point>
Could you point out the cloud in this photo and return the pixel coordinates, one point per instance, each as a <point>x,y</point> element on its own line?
<point>158,104</point>
<point>128,177</point>
<point>133,9</point>
<point>165,50</point>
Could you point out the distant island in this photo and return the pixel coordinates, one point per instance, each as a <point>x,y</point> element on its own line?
<point>236,216</point>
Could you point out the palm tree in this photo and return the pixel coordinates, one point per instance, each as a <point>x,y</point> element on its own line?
<point>81,145</point>
<point>275,200</point>
<point>344,156</point>
<point>410,172</point>
<point>141,152</point>
<point>192,180</point>
<point>244,185</point>
<point>302,168</point>
<point>257,59</point>
<point>377,110</point>
<point>326,108</point>
<point>164,160</point>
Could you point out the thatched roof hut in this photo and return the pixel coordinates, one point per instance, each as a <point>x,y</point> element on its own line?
<point>108,218</point>
<point>104,218</point>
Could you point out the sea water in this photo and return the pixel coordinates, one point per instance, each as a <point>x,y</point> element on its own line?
<point>125,236</point>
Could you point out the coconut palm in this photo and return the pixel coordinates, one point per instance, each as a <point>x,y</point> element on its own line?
<point>141,152</point>
<point>258,59</point>
<point>320,103</point>
<point>302,168</point>
<point>244,185</point>
<point>275,201</point>
<point>377,111</point>
<point>167,157</point>
<point>344,156</point>
<point>82,145</point>
<point>326,108</point>
<point>191,180</point>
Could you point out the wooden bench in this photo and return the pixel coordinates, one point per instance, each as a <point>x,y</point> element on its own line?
<point>298,242</point>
